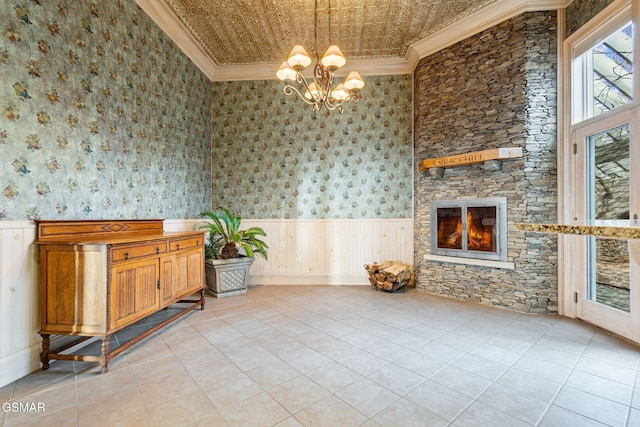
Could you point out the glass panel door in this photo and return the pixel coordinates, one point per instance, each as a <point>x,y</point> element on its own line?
<point>608,199</point>
<point>607,190</point>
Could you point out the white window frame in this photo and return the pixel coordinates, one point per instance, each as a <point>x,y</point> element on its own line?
<point>570,120</point>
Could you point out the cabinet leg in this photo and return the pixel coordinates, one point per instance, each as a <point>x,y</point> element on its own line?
<point>202,299</point>
<point>105,357</point>
<point>44,355</point>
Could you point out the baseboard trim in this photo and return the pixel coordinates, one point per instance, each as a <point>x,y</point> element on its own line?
<point>307,279</point>
<point>19,364</point>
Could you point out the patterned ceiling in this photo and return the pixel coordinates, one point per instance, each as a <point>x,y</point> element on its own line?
<point>235,32</point>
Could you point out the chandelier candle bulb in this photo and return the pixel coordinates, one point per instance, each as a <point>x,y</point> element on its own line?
<point>285,72</point>
<point>299,59</point>
<point>333,58</point>
<point>340,93</point>
<point>354,82</point>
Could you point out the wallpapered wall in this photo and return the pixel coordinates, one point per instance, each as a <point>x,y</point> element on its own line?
<point>273,157</point>
<point>102,116</point>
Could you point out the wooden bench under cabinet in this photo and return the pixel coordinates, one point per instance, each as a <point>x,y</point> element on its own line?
<point>97,277</point>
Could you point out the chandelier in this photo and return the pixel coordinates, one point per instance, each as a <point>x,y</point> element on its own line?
<point>321,92</point>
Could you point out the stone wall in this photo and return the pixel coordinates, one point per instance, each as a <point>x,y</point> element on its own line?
<point>495,89</point>
<point>579,12</point>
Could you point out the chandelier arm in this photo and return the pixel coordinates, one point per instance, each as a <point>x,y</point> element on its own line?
<point>289,90</point>
<point>314,98</point>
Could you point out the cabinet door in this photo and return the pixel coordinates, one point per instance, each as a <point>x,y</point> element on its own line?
<point>167,279</point>
<point>134,291</point>
<point>189,276</point>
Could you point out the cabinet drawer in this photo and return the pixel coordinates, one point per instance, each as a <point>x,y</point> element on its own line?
<point>193,242</point>
<point>137,251</point>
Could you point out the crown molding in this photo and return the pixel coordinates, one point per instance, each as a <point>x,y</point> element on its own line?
<point>164,17</point>
<point>368,67</point>
<point>468,26</point>
<point>474,23</point>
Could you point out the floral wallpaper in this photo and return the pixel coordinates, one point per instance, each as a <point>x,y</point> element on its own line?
<point>274,157</point>
<point>101,115</point>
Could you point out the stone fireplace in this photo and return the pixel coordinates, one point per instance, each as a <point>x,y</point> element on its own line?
<point>474,228</point>
<point>493,90</point>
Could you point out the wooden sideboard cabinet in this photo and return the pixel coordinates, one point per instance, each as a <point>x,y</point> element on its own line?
<point>97,277</point>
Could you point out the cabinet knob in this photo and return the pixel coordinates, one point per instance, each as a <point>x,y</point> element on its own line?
<point>178,246</point>
<point>126,255</point>
<point>157,250</point>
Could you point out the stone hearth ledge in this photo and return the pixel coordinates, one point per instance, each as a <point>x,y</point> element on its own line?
<point>471,261</point>
<point>614,229</point>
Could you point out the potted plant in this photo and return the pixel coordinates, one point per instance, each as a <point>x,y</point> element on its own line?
<point>229,252</point>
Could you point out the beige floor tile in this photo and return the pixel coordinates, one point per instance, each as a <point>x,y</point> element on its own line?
<point>408,414</point>
<point>396,379</point>
<point>542,368</point>
<point>367,397</point>
<point>421,364</point>
<point>196,356</point>
<point>362,362</point>
<point>298,393</point>
<point>591,406</point>
<point>182,410</point>
<point>387,350</point>
<point>333,376</point>
<point>610,371</point>
<point>154,369</point>
<point>519,405</point>
<point>305,360</point>
<point>599,386</point>
<point>210,373</point>
<point>442,401</point>
<point>258,410</point>
<point>560,417</point>
<point>232,390</point>
<point>479,414</point>
<point>334,348</point>
<point>480,366</point>
<point>330,411</point>
<point>439,351</point>
<point>462,381</point>
<point>272,374</point>
<point>530,384</point>
<point>161,389</point>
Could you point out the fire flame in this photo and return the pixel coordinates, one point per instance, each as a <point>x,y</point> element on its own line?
<point>478,238</point>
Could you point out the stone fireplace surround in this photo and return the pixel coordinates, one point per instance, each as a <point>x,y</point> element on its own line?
<point>494,89</point>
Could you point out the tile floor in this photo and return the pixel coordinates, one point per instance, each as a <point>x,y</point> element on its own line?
<point>346,356</point>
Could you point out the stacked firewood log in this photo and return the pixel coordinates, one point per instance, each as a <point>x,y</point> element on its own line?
<point>388,275</point>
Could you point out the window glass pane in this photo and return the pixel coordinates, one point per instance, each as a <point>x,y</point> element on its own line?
<point>609,200</point>
<point>612,68</point>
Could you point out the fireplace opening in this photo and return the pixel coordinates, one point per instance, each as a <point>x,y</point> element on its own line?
<point>473,228</point>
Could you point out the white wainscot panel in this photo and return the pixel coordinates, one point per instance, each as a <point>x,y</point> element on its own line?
<point>328,252</point>
<point>19,317</point>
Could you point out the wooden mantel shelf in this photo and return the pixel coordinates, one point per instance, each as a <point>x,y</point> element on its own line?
<point>471,158</point>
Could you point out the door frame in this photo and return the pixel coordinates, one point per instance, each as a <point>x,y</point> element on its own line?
<point>617,321</point>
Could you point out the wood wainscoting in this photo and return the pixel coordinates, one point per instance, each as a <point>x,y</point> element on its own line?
<point>329,252</point>
<point>19,339</point>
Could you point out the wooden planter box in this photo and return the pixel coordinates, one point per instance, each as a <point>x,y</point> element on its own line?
<point>227,277</point>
